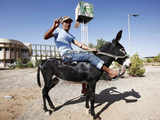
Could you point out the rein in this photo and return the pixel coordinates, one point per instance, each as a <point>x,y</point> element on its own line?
<point>110,55</point>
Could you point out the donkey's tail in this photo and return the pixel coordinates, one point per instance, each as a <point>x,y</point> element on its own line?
<point>40,67</point>
<point>38,76</point>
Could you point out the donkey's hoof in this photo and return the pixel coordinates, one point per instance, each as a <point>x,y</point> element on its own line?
<point>87,106</point>
<point>49,112</point>
<point>53,107</point>
<point>45,109</point>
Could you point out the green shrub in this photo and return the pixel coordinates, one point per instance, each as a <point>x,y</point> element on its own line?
<point>20,64</point>
<point>149,60</point>
<point>116,65</point>
<point>25,60</point>
<point>29,64</point>
<point>37,63</point>
<point>137,66</point>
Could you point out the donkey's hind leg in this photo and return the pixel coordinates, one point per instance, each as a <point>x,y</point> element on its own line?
<point>52,83</point>
<point>48,84</point>
<point>44,91</point>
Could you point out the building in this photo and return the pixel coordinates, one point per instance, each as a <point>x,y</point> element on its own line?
<point>12,50</point>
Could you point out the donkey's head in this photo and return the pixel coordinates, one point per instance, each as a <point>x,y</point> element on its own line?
<point>115,51</point>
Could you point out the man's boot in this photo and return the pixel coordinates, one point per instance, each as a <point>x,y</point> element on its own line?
<point>112,73</point>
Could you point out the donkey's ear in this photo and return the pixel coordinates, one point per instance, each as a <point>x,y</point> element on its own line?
<point>118,37</point>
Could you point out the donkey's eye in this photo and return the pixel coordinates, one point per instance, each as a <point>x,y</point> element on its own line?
<point>123,51</point>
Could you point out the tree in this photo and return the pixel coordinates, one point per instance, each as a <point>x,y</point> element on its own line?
<point>100,42</point>
<point>157,58</point>
<point>91,45</point>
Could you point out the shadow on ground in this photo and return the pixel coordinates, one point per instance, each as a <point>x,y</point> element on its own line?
<point>107,96</point>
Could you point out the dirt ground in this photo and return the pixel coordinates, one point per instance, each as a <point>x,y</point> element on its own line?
<point>129,98</point>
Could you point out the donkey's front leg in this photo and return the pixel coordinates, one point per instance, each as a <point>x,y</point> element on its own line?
<point>92,100</point>
<point>87,97</point>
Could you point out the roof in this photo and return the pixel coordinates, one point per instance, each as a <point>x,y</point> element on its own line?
<point>4,40</point>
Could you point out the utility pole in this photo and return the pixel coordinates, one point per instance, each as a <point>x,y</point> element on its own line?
<point>129,31</point>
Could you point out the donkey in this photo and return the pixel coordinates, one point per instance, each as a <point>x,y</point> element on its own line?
<point>81,72</point>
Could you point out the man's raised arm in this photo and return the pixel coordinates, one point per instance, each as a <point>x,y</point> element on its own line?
<point>50,34</point>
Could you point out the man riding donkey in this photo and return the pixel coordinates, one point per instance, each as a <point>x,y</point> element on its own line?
<point>63,40</point>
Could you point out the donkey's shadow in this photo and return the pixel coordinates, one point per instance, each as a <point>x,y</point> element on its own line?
<point>109,96</point>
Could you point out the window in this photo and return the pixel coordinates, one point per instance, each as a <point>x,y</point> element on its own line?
<point>6,49</point>
<point>12,49</point>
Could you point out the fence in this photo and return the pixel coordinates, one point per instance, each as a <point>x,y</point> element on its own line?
<point>42,51</point>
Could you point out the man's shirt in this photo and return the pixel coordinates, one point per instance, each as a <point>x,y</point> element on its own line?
<point>63,41</point>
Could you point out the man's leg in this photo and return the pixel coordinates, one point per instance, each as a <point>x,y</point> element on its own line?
<point>84,88</point>
<point>94,60</point>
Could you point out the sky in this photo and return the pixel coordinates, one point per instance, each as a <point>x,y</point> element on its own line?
<point>28,20</point>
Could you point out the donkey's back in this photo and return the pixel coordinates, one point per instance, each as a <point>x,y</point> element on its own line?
<point>80,72</point>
